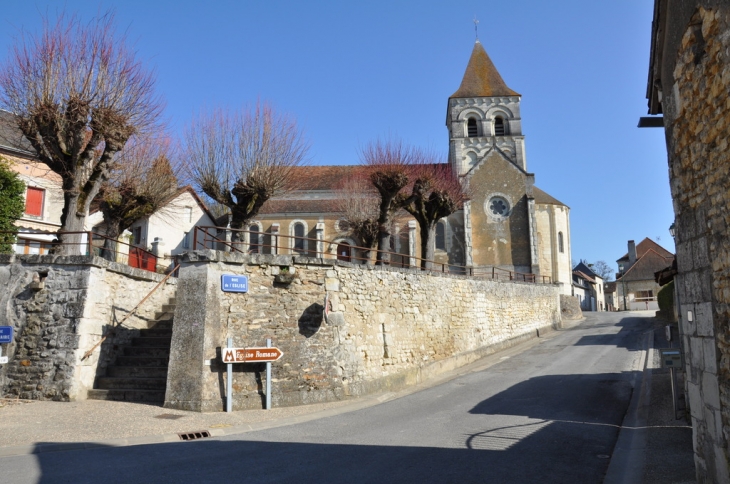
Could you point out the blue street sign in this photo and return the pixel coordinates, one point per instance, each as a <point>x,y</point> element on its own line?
<point>231,283</point>
<point>6,334</point>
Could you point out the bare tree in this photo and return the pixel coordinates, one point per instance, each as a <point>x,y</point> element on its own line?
<point>359,203</point>
<point>141,180</point>
<point>436,193</point>
<point>387,162</point>
<point>602,269</point>
<point>242,159</point>
<point>78,94</point>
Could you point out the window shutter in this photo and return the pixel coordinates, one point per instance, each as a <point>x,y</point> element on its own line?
<point>34,201</point>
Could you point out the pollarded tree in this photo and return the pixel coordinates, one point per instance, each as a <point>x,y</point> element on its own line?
<point>359,204</point>
<point>141,180</point>
<point>436,193</point>
<point>12,205</point>
<point>78,94</point>
<point>387,162</point>
<point>242,159</point>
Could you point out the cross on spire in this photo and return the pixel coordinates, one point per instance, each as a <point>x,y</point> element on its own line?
<point>476,24</point>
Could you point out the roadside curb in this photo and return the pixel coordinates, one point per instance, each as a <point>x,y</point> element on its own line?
<point>628,458</point>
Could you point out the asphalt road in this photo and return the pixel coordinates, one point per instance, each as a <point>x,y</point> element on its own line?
<point>551,414</point>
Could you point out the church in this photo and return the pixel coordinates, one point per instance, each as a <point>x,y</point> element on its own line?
<point>508,224</point>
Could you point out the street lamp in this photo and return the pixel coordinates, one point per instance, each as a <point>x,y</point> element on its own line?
<point>623,283</point>
<point>672,230</point>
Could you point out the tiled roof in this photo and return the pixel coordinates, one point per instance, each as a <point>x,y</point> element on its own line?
<point>481,78</point>
<point>584,276</point>
<point>544,198</point>
<point>10,135</point>
<point>281,206</point>
<point>323,177</point>
<point>644,246</point>
<point>609,287</point>
<point>646,266</point>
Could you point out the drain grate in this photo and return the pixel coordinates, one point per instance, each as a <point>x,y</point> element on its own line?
<point>199,434</point>
<point>169,416</point>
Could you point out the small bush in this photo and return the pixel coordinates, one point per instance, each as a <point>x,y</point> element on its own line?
<point>665,298</point>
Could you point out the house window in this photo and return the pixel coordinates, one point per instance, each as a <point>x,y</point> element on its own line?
<point>299,237</point>
<point>137,235</point>
<point>560,242</point>
<point>498,206</point>
<point>441,236</point>
<point>499,127</point>
<point>644,295</point>
<point>471,128</point>
<point>254,245</point>
<point>34,201</point>
<point>186,241</point>
<point>344,252</point>
<point>188,214</point>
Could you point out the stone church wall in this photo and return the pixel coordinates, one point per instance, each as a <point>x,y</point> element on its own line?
<point>54,325</point>
<point>386,328</point>
<point>695,82</point>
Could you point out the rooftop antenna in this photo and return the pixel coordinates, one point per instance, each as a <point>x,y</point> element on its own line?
<point>476,31</point>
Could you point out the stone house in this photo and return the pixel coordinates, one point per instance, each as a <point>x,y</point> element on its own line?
<point>508,224</point>
<point>635,283</point>
<point>688,85</point>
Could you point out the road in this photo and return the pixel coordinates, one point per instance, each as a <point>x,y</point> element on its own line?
<point>550,414</point>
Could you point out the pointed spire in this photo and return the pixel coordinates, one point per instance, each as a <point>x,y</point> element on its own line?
<point>481,78</point>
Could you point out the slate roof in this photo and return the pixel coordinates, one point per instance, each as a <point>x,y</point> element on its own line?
<point>584,269</point>
<point>544,198</point>
<point>481,78</point>
<point>644,246</point>
<point>10,135</point>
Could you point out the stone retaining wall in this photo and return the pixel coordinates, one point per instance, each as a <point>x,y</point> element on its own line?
<point>67,312</point>
<point>386,328</point>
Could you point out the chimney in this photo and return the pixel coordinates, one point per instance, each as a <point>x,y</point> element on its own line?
<point>632,252</point>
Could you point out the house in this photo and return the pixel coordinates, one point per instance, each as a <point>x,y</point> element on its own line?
<point>588,287</point>
<point>170,231</point>
<point>635,283</point>
<point>610,296</point>
<point>507,225</point>
<point>43,195</point>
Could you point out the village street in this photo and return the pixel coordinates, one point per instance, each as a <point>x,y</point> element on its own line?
<point>550,414</point>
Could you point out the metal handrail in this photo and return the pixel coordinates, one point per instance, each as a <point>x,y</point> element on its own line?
<point>207,239</point>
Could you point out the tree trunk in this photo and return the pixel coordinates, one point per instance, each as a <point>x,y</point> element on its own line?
<point>109,251</point>
<point>237,237</point>
<point>71,221</point>
<point>428,244</point>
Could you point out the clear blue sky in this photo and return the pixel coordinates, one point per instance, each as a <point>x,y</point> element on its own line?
<point>353,71</point>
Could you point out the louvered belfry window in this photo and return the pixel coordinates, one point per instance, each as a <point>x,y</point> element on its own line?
<point>498,127</point>
<point>471,127</point>
<point>34,201</point>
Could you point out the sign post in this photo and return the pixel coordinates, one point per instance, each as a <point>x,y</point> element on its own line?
<point>268,378</point>
<point>229,381</point>
<point>231,355</point>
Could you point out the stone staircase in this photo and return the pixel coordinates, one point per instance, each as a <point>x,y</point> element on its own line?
<point>139,373</point>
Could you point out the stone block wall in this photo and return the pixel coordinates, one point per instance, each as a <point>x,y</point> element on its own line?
<point>695,82</point>
<point>57,323</point>
<point>385,328</point>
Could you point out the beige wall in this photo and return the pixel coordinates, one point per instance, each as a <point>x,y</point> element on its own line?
<point>551,221</point>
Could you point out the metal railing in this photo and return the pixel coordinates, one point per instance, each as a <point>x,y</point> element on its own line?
<point>223,238</point>
<point>89,243</point>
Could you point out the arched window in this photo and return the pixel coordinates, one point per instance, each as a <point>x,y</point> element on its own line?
<point>441,236</point>
<point>299,237</point>
<point>560,242</point>
<point>499,127</point>
<point>254,239</point>
<point>471,128</point>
